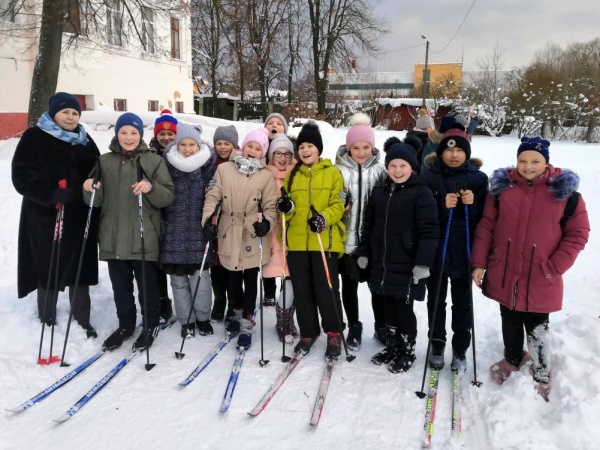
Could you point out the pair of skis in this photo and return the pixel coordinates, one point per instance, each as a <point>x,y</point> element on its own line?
<point>75,372</point>
<point>235,370</point>
<point>430,407</point>
<point>285,373</point>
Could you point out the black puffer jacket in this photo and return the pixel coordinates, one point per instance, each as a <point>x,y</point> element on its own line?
<point>443,180</point>
<point>400,231</point>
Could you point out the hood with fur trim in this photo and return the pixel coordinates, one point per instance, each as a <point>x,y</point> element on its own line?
<point>562,182</point>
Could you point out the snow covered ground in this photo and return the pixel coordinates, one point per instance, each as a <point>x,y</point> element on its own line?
<point>367,406</point>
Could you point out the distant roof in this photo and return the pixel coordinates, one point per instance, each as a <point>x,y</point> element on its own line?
<point>379,80</point>
<point>429,103</point>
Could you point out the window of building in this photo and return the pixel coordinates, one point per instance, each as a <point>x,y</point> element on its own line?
<point>152,105</point>
<point>120,104</point>
<point>148,30</point>
<point>175,48</point>
<point>179,107</point>
<point>114,23</point>
<point>7,10</point>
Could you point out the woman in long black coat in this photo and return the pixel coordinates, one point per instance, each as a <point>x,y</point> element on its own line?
<point>58,148</point>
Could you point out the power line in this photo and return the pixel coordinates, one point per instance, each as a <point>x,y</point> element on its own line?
<point>458,29</point>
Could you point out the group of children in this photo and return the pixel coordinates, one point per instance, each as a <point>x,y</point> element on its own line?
<point>214,220</point>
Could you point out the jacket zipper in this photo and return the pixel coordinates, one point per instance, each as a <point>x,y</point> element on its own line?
<point>309,202</point>
<point>505,262</point>
<point>360,200</point>
<point>529,279</point>
<point>387,207</point>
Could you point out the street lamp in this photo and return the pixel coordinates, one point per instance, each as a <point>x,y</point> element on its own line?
<point>425,80</point>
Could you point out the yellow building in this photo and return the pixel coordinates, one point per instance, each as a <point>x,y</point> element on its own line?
<point>445,79</point>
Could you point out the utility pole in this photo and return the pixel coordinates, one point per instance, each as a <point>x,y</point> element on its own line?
<point>426,76</point>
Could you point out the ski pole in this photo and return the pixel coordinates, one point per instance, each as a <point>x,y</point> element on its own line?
<point>474,382</point>
<point>263,362</point>
<point>349,357</point>
<point>58,226</point>
<point>145,302</point>
<point>421,393</point>
<point>214,220</point>
<point>284,358</point>
<point>96,172</point>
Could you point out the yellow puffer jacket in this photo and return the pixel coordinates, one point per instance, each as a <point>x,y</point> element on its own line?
<point>318,186</point>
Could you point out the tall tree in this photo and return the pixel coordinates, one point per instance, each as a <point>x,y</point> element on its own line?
<point>337,26</point>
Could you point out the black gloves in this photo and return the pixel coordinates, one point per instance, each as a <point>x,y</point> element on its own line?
<point>62,196</point>
<point>211,231</point>
<point>317,223</point>
<point>261,228</point>
<point>285,204</point>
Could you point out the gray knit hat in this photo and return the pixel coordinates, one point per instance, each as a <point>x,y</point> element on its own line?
<point>280,141</point>
<point>188,130</point>
<point>280,117</point>
<point>226,133</point>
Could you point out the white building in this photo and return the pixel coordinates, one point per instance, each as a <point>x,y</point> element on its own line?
<point>353,85</point>
<point>123,59</point>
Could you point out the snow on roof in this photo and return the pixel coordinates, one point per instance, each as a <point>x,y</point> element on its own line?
<point>394,102</point>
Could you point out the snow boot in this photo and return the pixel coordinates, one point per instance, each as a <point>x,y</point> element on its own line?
<point>141,343</point>
<point>436,356</point>
<point>541,387</point>
<point>380,334</point>
<point>405,353</point>
<point>89,331</point>
<point>204,328</point>
<point>334,345</point>
<point>188,330</point>
<point>115,340</point>
<point>354,339</point>
<point>246,331</point>
<point>459,361</point>
<point>389,352</point>
<point>502,369</point>
<point>268,301</point>
<point>304,345</point>
<point>166,309</point>
<point>233,327</point>
<point>285,321</point>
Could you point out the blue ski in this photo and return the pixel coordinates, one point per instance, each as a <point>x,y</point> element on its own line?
<point>60,383</point>
<point>103,382</point>
<point>208,359</point>
<point>233,378</point>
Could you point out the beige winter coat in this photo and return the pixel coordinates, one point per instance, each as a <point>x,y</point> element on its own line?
<point>239,195</point>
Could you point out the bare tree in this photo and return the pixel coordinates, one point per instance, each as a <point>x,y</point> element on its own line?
<point>102,24</point>
<point>235,13</point>
<point>336,26</point>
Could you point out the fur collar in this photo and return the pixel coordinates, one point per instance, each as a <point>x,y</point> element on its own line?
<point>191,163</point>
<point>562,183</point>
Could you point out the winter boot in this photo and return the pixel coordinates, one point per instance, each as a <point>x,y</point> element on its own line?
<point>233,327</point>
<point>89,331</point>
<point>115,340</point>
<point>283,324</point>
<point>539,350</point>
<point>354,339</point>
<point>502,369</point>
<point>166,309</point>
<point>141,343</point>
<point>204,328</point>
<point>246,331</point>
<point>334,345</point>
<point>405,353</point>
<point>304,345</point>
<point>542,388</point>
<point>380,334</point>
<point>436,356</point>
<point>269,301</point>
<point>459,361</point>
<point>188,330</point>
<point>389,352</point>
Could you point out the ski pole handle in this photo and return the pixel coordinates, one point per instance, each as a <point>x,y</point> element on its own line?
<point>260,211</point>
<point>215,216</point>
<point>62,184</point>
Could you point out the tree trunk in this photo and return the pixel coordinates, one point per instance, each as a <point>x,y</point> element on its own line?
<point>47,63</point>
<point>321,95</point>
<point>589,135</point>
<point>290,79</point>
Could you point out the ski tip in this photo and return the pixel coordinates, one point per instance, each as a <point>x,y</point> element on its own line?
<point>420,394</point>
<point>149,367</point>
<point>14,410</point>
<point>62,418</point>
<point>179,355</point>
<point>263,362</point>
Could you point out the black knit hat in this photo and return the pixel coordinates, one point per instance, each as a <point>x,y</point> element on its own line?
<point>310,133</point>
<point>454,138</point>
<point>394,148</point>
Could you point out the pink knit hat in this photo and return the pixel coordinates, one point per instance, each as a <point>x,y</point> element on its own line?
<point>261,137</point>
<point>360,130</point>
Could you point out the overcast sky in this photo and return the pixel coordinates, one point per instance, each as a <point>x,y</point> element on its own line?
<point>520,27</point>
